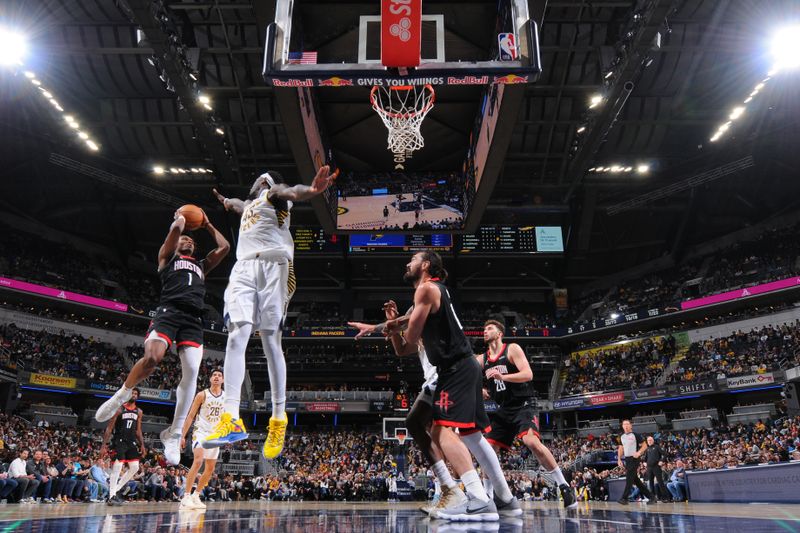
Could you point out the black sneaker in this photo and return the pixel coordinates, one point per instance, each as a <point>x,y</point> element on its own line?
<point>622,501</point>
<point>568,495</point>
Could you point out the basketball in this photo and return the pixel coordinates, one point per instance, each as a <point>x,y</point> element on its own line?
<point>194,216</point>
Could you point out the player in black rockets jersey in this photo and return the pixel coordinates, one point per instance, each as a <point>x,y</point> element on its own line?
<point>509,377</point>
<point>178,321</point>
<point>126,426</point>
<point>457,399</point>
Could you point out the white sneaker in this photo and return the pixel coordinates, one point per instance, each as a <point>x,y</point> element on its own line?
<point>197,502</point>
<point>172,448</point>
<point>110,406</point>
<point>187,502</point>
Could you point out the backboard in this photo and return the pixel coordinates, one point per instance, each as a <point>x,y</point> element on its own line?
<point>394,426</point>
<point>325,60</point>
<point>334,44</point>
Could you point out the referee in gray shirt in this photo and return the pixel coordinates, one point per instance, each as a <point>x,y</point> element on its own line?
<point>631,447</point>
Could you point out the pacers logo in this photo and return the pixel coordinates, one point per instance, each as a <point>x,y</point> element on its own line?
<point>444,402</point>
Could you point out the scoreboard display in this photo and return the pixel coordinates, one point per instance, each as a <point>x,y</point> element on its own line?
<point>513,240</point>
<point>401,402</point>
<point>315,240</point>
<point>396,242</point>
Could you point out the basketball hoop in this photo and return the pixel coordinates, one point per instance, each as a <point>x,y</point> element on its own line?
<point>402,109</point>
<point>401,437</point>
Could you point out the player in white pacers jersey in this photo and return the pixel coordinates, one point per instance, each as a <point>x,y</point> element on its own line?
<point>205,412</point>
<point>261,284</point>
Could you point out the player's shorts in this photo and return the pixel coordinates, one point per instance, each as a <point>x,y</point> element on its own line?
<point>459,398</point>
<point>426,393</point>
<point>258,293</point>
<point>208,453</point>
<point>513,422</point>
<point>125,451</point>
<point>175,326</point>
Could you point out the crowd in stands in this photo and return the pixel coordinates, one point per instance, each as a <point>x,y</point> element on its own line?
<point>29,258</point>
<point>755,352</point>
<point>71,355</point>
<point>357,464</point>
<point>769,257</point>
<point>61,354</point>
<point>630,365</point>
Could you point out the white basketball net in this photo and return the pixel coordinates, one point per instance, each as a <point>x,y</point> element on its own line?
<point>402,110</point>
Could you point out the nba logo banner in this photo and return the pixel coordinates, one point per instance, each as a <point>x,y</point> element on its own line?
<point>507,43</point>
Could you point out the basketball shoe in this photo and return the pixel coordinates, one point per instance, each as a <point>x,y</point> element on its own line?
<point>276,435</point>
<point>227,431</point>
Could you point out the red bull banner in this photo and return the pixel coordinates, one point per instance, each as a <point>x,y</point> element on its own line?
<point>315,80</point>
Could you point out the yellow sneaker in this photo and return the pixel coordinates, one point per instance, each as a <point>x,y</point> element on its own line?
<point>273,446</point>
<point>226,432</point>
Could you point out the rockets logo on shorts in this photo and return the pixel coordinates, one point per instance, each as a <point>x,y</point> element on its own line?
<point>444,403</point>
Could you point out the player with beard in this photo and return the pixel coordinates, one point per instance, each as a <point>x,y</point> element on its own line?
<point>178,321</point>
<point>458,395</point>
<point>509,378</point>
<point>420,417</point>
<point>126,427</point>
<point>261,284</point>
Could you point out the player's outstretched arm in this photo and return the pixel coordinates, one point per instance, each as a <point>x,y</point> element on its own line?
<point>424,298</point>
<point>230,204</point>
<point>198,401</point>
<point>216,255</point>
<point>298,193</point>
<point>167,249</point>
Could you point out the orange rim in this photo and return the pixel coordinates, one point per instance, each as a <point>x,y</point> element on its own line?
<point>379,109</point>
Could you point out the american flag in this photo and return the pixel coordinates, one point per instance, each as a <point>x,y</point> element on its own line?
<point>302,58</point>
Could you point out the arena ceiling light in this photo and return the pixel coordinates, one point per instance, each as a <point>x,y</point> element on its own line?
<point>13,47</point>
<point>595,100</point>
<point>160,170</point>
<point>70,120</point>
<point>786,48</point>
<point>786,54</point>
<point>618,168</point>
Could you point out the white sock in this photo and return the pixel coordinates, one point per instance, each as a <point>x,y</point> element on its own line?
<point>488,487</point>
<point>184,393</point>
<point>472,482</point>
<point>490,464</point>
<point>558,476</point>
<point>271,342</point>
<point>116,470</point>
<point>133,468</point>
<point>235,366</point>
<point>442,474</point>
<point>123,392</point>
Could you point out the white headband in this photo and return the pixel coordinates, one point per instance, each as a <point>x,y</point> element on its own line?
<point>270,180</point>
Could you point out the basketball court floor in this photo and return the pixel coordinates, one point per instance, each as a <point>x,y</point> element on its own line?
<point>307,517</point>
